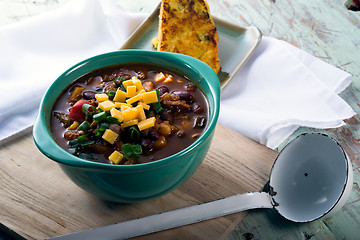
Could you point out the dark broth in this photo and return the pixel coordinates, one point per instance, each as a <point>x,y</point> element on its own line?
<point>184,109</point>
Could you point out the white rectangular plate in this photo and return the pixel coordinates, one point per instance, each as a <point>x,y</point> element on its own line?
<point>236,43</point>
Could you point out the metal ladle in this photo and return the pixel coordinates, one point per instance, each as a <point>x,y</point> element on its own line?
<point>311,178</point>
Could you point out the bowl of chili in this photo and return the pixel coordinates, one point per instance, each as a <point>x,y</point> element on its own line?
<point>130,125</point>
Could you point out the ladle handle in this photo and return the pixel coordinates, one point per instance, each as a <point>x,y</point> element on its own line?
<point>175,218</point>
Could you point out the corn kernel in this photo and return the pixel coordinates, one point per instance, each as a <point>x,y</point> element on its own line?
<point>110,136</point>
<point>150,97</point>
<point>134,99</point>
<point>116,157</point>
<point>106,105</point>
<point>131,91</point>
<point>74,125</point>
<point>129,123</point>
<point>141,113</point>
<point>117,114</point>
<point>101,97</point>
<point>147,123</point>
<point>159,77</point>
<point>120,96</point>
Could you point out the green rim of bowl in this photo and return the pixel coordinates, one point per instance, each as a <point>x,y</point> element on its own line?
<point>187,66</point>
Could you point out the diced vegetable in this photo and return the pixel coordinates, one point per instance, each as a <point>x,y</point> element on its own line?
<point>88,109</point>
<point>134,133</point>
<point>110,136</point>
<point>120,96</point>
<point>129,123</point>
<point>136,98</point>
<point>169,79</point>
<point>127,83</point>
<point>103,126</point>
<point>106,105</point>
<point>84,126</point>
<point>76,112</point>
<point>159,77</point>
<point>130,114</point>
<point>116,157</point>
<point>99,117</point>
<point>157,105</point>
<point>74,125</point>
<point>147,123</point>
<point>144,105</point>
<point>76,94</point>
<point>141,113</point>
<point>131,91</point>
<point>149,97</point>
<point>137,83</point>
<point>112,119</point>
<point>101,97</point>
<point>117,114</point>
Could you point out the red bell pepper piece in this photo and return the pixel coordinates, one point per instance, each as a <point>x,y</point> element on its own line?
<point>76,112</point>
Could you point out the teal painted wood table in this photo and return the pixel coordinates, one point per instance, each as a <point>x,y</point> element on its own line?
<point>323,28</point>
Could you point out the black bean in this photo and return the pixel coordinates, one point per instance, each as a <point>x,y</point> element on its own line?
<point>99,89</point>
<point>181,133</point>
<point>153,134</point>
<point>147,144</point>
<point>167,116</point>
<point>162,90</point>
<point>88,95</point>
<point>197,108</point>
<point>184,95</point>
<point>199,122</point>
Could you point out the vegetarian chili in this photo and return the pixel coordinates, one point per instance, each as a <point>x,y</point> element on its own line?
<point>129,115</point>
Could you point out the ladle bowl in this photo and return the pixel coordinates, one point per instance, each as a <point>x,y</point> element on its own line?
<point>311,178</point>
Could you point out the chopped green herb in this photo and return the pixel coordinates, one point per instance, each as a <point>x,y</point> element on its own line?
<point>134,133</point>
<point>82,138</point>
<point>103,126</point>
<point>157,105</point>
<point>131,151</point>
<point>111,93</point>
<point>84,126</point>
<point>84,155</point>
<point>112,119</point>
<point>118,81</point>
<point>98,132</point>
<point>88,109</point>
<point>99,117</point>
<point>74,143</point>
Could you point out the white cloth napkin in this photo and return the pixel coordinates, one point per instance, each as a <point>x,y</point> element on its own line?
<point>278,90</point>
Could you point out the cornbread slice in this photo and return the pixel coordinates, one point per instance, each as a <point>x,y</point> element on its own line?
<point>186,26</point>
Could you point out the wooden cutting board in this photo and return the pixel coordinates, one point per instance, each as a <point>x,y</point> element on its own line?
<point>38,201</point>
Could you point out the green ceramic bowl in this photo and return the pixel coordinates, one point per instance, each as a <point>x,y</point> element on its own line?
<point>133,182</point>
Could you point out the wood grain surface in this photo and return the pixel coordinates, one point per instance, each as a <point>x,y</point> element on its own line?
<point>323,28</point>
<point>39,201</point>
